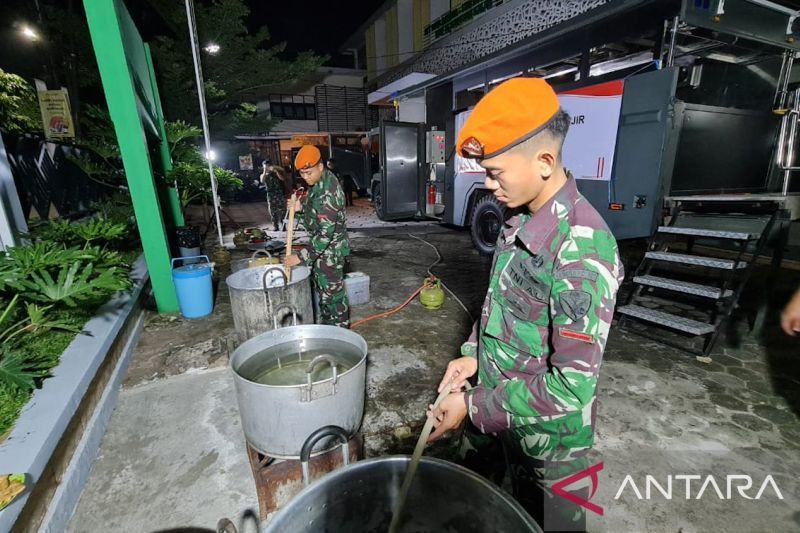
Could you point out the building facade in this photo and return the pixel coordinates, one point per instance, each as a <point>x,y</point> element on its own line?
<point>332,100</point>
<point>439,36</point>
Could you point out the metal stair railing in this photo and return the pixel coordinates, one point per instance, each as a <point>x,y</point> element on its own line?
<point>725,293</point>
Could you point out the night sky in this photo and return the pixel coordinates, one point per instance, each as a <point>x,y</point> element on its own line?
<point>316,25</point>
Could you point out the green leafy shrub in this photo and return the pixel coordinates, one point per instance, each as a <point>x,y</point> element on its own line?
<point>99,229</point>
<point>117,208</point>
<point>78,284</point>
<point>96,230</point>
<point>99,157</point>
<point>19,369</point>
<point>48,290</point>
<point>43,347</point>
<point>189,168</point>
<point>19,108</point>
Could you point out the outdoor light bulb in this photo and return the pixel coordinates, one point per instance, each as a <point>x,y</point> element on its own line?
<point>212,48</point>
<point>211,155</point>
<point>28,32</point>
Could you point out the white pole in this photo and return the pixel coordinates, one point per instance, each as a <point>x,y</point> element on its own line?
<point>203,114</point>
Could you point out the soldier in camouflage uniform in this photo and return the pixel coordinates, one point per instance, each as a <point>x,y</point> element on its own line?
<point>538,345</point>
<point>323,213</point>
<point>276,183</point>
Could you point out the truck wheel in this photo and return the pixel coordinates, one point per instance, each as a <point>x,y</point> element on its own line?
<point>485,224</point>
<point>377,200</point>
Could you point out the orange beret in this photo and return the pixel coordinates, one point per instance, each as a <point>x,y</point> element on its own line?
<point>307,157</point>
<point>512,112</point>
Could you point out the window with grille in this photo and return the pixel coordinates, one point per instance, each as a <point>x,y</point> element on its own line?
<point>293,107</point>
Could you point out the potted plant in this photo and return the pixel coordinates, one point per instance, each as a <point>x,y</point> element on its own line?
<point>189,175</point>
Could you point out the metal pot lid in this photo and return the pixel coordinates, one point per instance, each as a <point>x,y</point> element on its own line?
<point>251,279</point>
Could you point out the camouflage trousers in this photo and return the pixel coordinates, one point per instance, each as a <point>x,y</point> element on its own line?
<point>531,479</point>
<point>277,209</point>
<point>334,308</point>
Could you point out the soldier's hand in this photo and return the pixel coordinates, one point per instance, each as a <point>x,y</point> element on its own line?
<point>449,415</point>
<point>458,372</point>
<point>291,260</point>
<point>790,317</point>
<point>298,206</point>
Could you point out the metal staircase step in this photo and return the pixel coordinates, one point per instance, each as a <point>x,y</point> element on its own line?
<point>714,234</point>
<point>687,325</point>
<point>681,286</point>
<point>697,260</point>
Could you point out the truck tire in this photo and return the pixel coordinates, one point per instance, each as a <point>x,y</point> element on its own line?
<point>377,200</point>
<point>486,221</point>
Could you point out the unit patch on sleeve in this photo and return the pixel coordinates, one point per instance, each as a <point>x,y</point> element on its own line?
<point>575,304</point>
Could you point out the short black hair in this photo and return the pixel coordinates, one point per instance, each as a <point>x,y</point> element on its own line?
<point>559,126</point>
<point>555,130</point>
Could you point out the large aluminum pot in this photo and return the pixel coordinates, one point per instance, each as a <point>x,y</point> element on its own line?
<point>361,497</point>
<point>277,419</point>
<point>259,258</point>
<point>258,293</point>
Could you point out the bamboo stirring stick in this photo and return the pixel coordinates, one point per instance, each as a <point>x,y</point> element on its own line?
<point>290,235</point>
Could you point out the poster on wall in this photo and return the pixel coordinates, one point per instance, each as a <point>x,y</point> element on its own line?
<point>589,147</point>
<point>56,116</point>
<point>594,120</point>
<point>246,162</point>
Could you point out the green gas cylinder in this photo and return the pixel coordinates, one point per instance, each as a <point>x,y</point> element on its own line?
<point>432,295</point>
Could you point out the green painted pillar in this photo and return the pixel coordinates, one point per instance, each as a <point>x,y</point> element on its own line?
<point>116,42</point>
<point>175,211</point>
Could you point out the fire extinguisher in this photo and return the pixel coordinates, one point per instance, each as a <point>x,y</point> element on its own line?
<point>431,193</point>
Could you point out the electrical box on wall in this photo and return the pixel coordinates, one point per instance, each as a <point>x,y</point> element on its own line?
<point>434,147</point>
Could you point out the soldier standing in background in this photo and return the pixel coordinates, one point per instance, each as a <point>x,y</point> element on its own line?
<point>324,217</point>
<point>538,345</point>
<point>278,190</point>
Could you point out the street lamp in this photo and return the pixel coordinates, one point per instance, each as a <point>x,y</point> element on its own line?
<point>201,96</point>
<point>212,48</point>
<point>29,33</point>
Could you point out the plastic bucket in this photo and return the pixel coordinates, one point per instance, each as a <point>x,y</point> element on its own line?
<point>190,255</point>
<point>193,287</point>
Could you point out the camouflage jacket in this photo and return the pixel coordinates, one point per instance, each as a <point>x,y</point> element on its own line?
<point>543,327</point>
<point>275,186</point>
<point>324,218</point>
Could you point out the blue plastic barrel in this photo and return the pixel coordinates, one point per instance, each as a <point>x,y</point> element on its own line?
<point>193,287</point>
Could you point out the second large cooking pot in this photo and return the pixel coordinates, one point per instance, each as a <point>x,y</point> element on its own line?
<point>294,380</point>
<point>259,296</point>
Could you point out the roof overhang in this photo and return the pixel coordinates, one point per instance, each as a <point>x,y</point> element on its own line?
<point>527,45</point>
<point>385,94</point>
<point>288,135</point>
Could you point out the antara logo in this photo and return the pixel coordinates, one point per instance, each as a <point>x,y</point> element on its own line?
<point>590,472</point>
<point>741,482</point>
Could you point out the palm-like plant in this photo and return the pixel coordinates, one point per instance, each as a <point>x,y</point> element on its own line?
<point>190,170</point>
<point>20,370</point>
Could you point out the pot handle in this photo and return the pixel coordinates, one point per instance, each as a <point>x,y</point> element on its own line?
<point>308,445</point>
<point>322,358</point>
<point>284,306</point>
<point>270,269</point>
<point>261,252</point>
